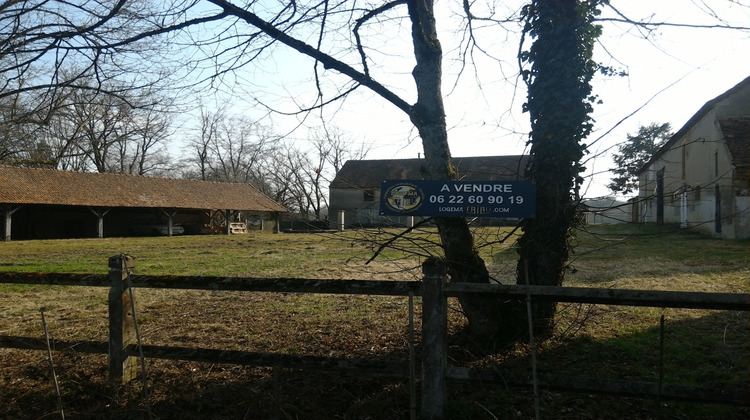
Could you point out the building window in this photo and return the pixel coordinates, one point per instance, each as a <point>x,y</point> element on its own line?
<point>697,193</point>
<point>369,195</point>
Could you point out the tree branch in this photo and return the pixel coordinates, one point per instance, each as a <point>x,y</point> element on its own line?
<point>367,16</point>
<point>403,234</point>
<point>310,51</point>
<point>651,25</point>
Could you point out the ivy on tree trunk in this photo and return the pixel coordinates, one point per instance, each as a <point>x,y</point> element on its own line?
<point>559,104</point>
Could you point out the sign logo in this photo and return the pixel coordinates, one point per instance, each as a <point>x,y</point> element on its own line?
<point>403,198</point>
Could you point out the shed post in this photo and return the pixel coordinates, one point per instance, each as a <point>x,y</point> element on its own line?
<point>434,339</point>
<point>99,213</point>
<point>228,217</point>
<point>6,225</point>
<point>170,220</point>
<point>122,368</point>
<point>8,213</point>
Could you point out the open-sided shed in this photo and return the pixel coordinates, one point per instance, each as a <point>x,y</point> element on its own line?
<point>46,203</point>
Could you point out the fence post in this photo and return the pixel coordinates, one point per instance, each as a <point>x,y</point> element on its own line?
<point>341,220</point>
<point>122,368</point>
<point>434,339</point>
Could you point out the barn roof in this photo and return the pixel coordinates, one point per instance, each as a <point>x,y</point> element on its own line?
<point>370,173</point>
<point>20,185</point>
<point>705,109</point>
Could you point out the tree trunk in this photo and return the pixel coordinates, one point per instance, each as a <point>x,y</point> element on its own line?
<point>560,105</point>
<point>428,115</point>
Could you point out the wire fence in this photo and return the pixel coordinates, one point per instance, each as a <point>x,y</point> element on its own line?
<point>126,349</point>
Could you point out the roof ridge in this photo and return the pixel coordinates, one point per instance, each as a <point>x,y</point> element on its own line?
<point>4,165</point>
<point>694,119</point>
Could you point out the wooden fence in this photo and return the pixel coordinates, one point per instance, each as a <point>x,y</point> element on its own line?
<point>123,348</point>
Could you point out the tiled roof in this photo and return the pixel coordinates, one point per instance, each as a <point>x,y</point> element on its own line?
<point>46,186</point>
<point>370,173</point>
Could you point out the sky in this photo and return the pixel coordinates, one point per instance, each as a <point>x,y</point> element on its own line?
<point>671,73</point>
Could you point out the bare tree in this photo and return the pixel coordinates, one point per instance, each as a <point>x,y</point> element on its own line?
<point>90,129</point>
<point>59,137</point>
<point>336,148</point>
<point>21,125</point>
<point>200,146</point>
<point>316,194</point>
<point>103,123</point>
<point>230,148</point>
<point>297,174</point>
<point>427,113</point>
<point>51,48</point>
<point>48,46</point>
<point>294,163</point>
<point>331,149</point>
<point>238,149</point>
<point>15,139</point>
<point>278,180</point>
<point>144,150</point>
<point>292,176</point>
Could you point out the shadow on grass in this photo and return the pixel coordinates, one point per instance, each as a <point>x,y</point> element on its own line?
<point>708,351</point>
<point>190,390</point>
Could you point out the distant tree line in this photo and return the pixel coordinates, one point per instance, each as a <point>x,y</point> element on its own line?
<point>230,148</point>
<point>89,131</point>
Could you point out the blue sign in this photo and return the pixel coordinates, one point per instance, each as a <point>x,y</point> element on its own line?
<point>511,199</point>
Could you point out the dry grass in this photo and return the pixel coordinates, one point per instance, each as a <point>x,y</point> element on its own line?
<point>702,347</point>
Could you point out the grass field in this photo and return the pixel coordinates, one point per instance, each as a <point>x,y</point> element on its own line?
<point>702,348</point>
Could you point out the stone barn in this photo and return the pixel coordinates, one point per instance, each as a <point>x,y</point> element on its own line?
<point>356,188</point>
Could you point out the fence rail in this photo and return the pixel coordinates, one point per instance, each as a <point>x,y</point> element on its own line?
<point>434,290</point>
<point>599,296</point>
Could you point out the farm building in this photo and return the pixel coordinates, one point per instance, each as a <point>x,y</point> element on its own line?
<point>605,211</point>
<point>701,177</point>
<point>45,203</point>
<point>356,188</point>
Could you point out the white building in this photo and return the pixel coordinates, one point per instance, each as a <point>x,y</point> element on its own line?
<point>701,177</point>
